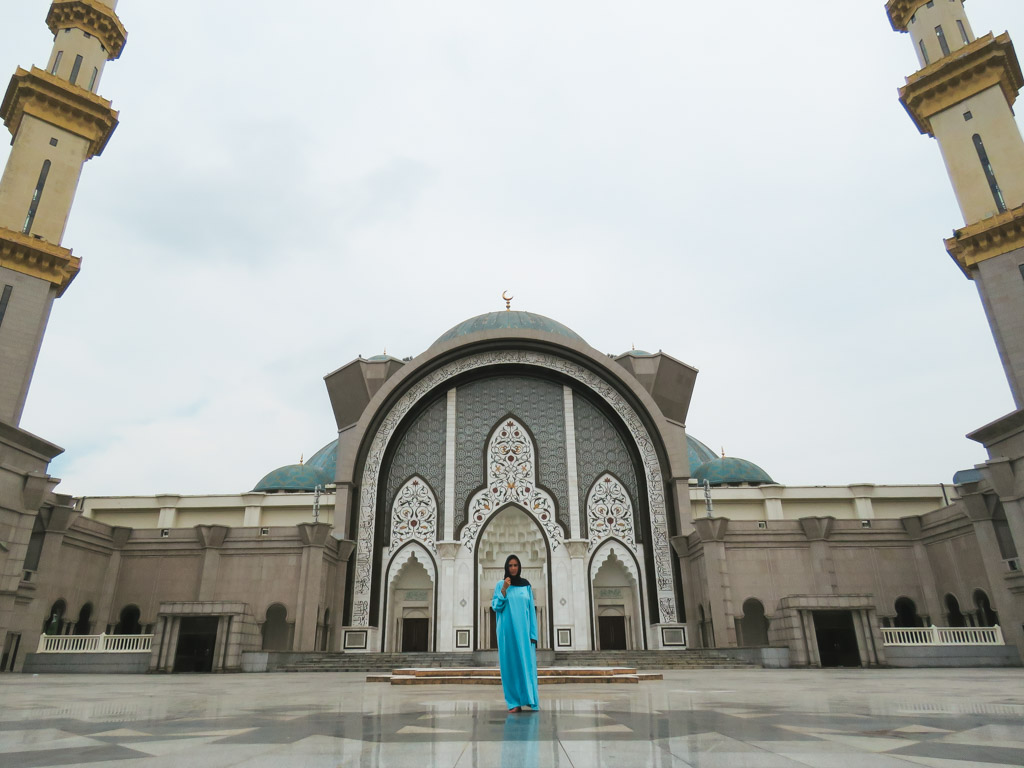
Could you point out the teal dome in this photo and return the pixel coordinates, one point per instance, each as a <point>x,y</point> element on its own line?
<point>698,453</point>
<point>507,321</point>
<point>319,470</point>
<point>728,470</point>
<point>638,353</point>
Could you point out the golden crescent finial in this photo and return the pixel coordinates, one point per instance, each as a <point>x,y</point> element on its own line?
<point>508,301</point>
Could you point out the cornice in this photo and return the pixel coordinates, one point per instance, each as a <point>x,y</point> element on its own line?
<point>55,101</point>
<point>38,258</point>
<point>987,239</point>
<point>900,12</point>
<point>986,62</point>
<point>90,16</point>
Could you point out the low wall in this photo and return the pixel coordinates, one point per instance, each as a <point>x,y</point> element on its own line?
<point>952,656</point>
<point>769,657</point>
<point>89,663</point>
<point>545,658</point>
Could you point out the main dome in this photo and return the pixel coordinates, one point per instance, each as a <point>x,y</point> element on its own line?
<point>507,320</point>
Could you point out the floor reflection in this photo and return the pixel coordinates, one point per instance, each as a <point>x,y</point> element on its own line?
<point>520,745</point>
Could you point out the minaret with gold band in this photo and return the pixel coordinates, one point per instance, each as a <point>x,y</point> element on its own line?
<point>963,97</point>
<point>58,122</point>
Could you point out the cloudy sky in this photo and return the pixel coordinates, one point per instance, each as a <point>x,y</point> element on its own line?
<point>295,185</point>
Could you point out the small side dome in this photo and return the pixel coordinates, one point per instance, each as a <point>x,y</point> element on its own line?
<point>507,320</point>
<point>319,470</point>
<point>637,353</point>
<point>697,453</point>
<point>728,470</point>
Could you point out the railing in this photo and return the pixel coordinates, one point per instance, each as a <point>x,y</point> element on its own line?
<point>95,643</point>
<point>942,635</point>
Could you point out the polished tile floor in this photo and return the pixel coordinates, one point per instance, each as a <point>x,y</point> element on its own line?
<point>710,719</point>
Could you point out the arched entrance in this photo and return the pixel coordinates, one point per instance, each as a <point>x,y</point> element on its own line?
<point>616,601</point>
<point>410,601</point>
<point>511,532</point>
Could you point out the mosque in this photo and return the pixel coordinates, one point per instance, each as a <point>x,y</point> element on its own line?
<point>510,433</point>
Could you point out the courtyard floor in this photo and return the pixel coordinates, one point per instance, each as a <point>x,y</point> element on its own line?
<point>714,718</point>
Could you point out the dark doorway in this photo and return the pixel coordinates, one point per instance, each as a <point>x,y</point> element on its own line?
<point>197,636</point>
<point>415,635</point>
<point>837,639</point>
<point>494,630</point>
<point>754,625</point>
<point>611,633</point>
<point>84,620</point>
<point>954,616</point>
<point>906,613</point>
<point>986,616</point>
<point>129,621</point>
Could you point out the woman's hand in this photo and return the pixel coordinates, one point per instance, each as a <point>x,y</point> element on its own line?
<point>506,585</point>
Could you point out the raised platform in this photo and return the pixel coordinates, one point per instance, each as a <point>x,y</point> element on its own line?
<point>492,676</point>
<point>293,661</point>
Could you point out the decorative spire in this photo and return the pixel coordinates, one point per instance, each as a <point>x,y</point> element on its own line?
<point>301,457</point>
<point>723,452</point>
<point>508,301</point>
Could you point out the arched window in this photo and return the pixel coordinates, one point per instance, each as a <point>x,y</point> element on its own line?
<point>129,621</point>
<point>53,624</point>
<point>954,618</point>
<point>906,613</point>
<point>275,629</point>
<point>986,616</point>
<point>754,625</point>
<point>84,623</point>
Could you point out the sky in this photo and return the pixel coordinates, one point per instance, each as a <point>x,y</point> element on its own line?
<point>291,187</point>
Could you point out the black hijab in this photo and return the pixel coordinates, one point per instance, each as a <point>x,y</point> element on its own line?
<point>517,581</point>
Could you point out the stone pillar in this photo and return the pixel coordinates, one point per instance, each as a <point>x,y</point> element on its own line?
<point>211,538</point>
<point>862,506</point>
<point>570,456</point>
<point>253,509</point>
<point>912,525</point>
<point>582,636</point>
<point>712,535</point>
<point>1007,604</point>
<point>168,516</point>
<point>817,530</point>
<point>772,502</point>
<point>447,552</point>
<point>310,596</point>
<point>345,547</point>
<point>105,608</point>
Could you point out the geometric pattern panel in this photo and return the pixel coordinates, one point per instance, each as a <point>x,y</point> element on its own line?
<point>661,551</point>
<point>599,449</point>
<point>609,512</point>
<point>511,479</point>
<point>414,515</point>
<point>421,452</point>
<point>479,406</point>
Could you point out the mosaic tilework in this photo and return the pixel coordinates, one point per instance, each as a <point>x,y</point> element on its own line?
<point>535,402</point>
<point>421,452</point>
<point>599,449</point>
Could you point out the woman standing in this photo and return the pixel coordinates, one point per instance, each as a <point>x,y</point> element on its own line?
<point>517,637</point>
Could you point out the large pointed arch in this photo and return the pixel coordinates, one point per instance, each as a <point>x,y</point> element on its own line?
<point>511,478</point>
<point>645,446</point>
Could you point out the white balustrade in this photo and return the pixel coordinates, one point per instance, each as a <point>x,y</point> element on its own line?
<point>95,643</point>
<point>942,635</point>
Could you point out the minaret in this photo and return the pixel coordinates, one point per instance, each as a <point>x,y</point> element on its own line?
<point>963,97</point>
<point>58,122</point>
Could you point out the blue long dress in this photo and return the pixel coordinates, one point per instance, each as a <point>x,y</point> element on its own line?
<point>517,627</point>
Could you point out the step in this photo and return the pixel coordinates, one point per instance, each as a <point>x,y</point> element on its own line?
<point>492,676</point>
